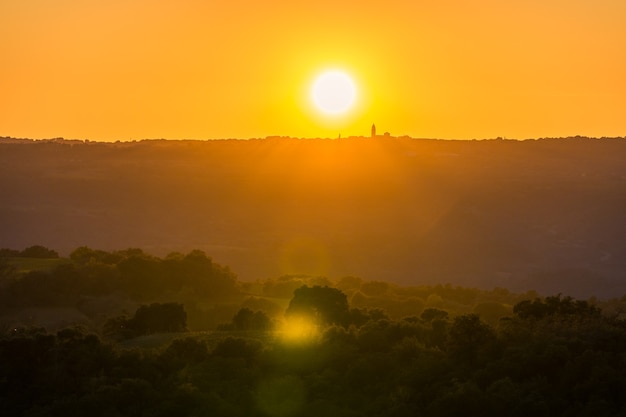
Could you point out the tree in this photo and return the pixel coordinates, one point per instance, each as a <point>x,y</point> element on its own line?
<point>184,351</point>
<point>84,255</point>
<point>554,305</point>
<point>360,316</point>
<point>325,304</point>
<point>81,354</point>
<point>117,328</point>
<point>198,273</point>
<point>492,312</point>
<point>246,319</point>
<point>156,317</point>
<point>38,251</point>
<point>469,337</point>
<point>9,253</point>
<point>431,314</point>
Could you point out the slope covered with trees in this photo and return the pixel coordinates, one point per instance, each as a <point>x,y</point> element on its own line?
<point>93,286</point>
<point>536,214</point>
<point>296,345</point>
<point>566,360</point>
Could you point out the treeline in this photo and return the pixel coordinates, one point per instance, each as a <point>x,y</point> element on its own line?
<point>35,251</point>
<point>551,357</point>
<point>103,285</point>
<point>148,319</point>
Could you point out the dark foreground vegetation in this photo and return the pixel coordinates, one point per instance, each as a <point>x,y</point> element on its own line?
<point>182,336</point>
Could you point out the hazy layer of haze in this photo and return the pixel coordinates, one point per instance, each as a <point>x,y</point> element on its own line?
<point>544,215</point>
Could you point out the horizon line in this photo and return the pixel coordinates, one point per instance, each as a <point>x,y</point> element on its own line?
<point>386,136</point>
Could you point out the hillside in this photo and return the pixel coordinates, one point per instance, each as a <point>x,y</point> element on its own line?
<point>537,214</point>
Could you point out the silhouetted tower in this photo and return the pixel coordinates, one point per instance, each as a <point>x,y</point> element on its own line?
<point>373,130</point>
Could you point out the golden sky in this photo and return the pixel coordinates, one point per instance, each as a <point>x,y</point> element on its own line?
<point>202,69</point>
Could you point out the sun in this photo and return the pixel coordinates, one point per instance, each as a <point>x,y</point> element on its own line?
<point>333,92</point>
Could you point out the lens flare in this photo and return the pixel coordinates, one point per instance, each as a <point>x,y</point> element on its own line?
<point>298,330</point>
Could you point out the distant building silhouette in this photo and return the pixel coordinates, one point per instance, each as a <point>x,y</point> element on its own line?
<point>373,130</point>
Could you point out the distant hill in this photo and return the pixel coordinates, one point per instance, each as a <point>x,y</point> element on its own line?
<point>543,214</point>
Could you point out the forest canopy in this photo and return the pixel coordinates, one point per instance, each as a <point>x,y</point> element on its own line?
<point>371,348</point>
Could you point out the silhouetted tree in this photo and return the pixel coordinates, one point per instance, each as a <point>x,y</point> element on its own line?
<point>140,276</point>
<point>431,314</point>
<point>9,253</point>
<point>360,316</point>
<point>469,338</point>
<point>246,319</point>
<point>326,304</point>
<point>157,317</point>
<point>554,305</point>
<point>38,251</point>
<point>118,328</point>
<point>83,255</point>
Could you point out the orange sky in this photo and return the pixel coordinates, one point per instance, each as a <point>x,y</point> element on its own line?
<point>133,69</point>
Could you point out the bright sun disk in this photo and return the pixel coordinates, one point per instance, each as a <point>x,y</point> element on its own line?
<point>333,92</point>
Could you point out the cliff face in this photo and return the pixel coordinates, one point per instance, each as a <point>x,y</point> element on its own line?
<point>545,214</point>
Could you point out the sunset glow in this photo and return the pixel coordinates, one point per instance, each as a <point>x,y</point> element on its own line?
<point>242,69</point>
